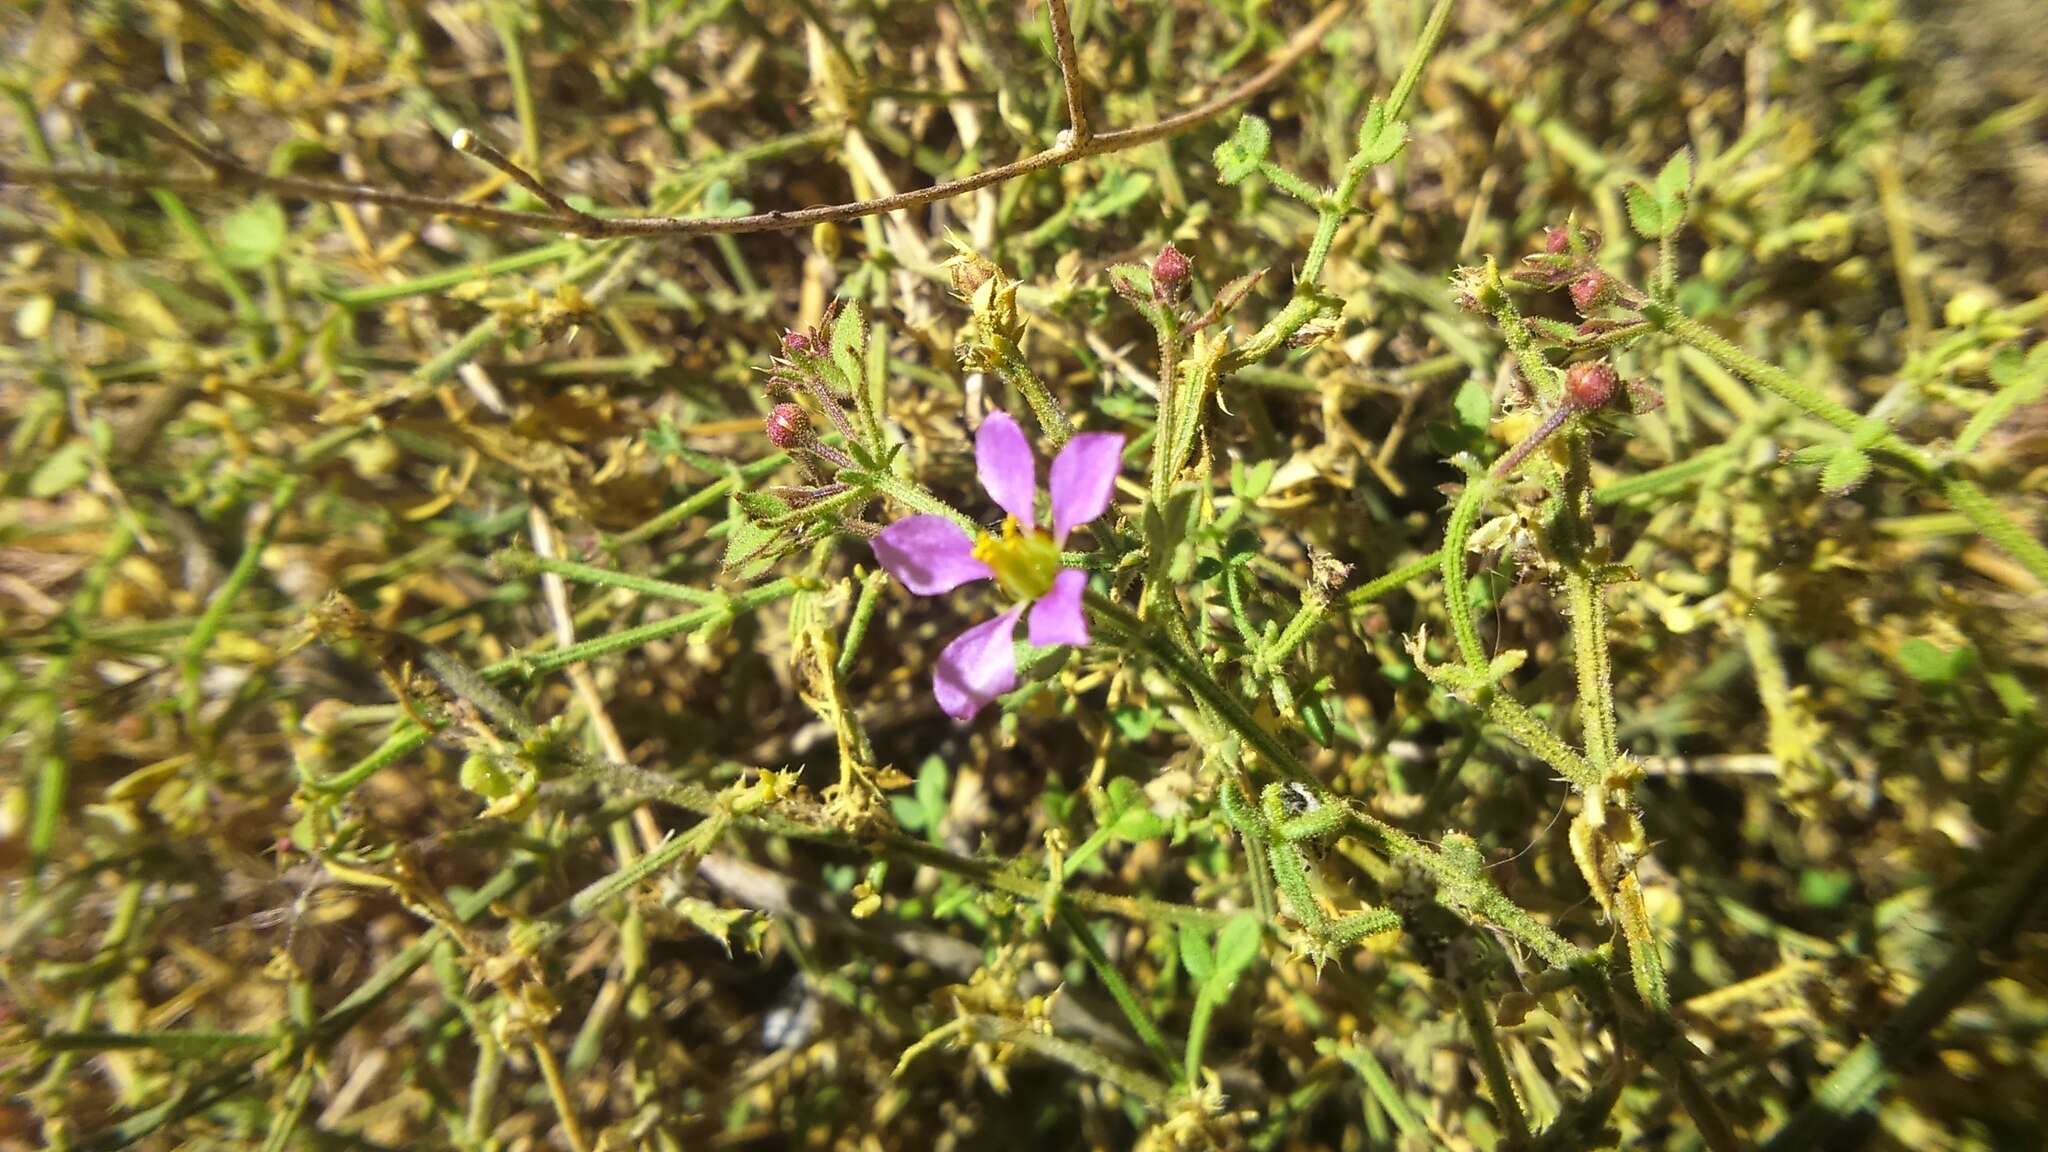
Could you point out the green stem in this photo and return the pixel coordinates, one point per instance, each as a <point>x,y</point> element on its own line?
<point>529,563</point>
<point>914,497</point>
<point>193,659</point>
<point>1963,495</point>
<point>1457,593</point>
<point>1119,990</point>
<point>1082,1058</point>
<point>1379,586</point>
<point>1418,58</point>
<point>194,234</point>
<point>1506,1103</point>
<point>1995,526</point>
<point>1381,1085</point>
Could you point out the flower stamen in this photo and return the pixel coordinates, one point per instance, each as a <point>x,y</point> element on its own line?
<point>1024,562</point>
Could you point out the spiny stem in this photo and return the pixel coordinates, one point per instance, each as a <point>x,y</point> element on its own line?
<point>1457,597</point>
<point>1379,586</point>
<point>1961,493</point>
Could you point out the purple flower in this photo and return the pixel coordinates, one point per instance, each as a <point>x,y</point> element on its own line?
<point>932,555</point>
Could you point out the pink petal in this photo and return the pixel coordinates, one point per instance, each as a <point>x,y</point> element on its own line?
<point>1002,457</point>
<point>1083,479</point>
<point>929,554</point>
<point>1056,617</point>
<point>978,666</point>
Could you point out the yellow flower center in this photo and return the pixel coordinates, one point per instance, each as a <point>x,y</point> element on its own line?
<point>1024,561</point>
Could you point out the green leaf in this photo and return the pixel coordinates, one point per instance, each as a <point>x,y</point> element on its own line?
<point>665,440</point>
<point>1241,155</point>
<point>1122,795</point>
<point>1251,483</point>
<point>1314,710</point>
<point>62,470</point>
<point>1195,955</point>
<point>2020,383</point>
<point>1140,824</point>
<point>849,343</point>
<point>1645,214</point>
<point>1114,195</point>
<point>1380,139</point>
<point>719,201</point>
<point>1675,181</point>
<point>2016,698</point>
<point>1473,404</point>
<point>1130,815</point>
<point>750,549</point>
<point>1825,887</point>
<point>932,791</point>
<point>764,506</point>
<point>1845,470</point>
<point>253,234</point>
<point>1134,724</point>
<point>1932,664</point>
<point>1237,945</point>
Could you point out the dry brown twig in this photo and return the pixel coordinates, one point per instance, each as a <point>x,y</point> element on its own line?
<point>1078,142</point>
<point>1069,58</point>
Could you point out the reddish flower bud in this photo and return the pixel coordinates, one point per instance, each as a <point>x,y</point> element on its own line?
<point>1170,271</point>
<point>795,343</point>
<point>1590,383</point>
<point>1556,241</point>
<point>788,426</point>
<point>1591,291</point>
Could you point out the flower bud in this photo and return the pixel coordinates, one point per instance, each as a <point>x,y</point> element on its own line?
<point>796,343</point>
<point>1170,271</point>
<point>969,271</point>
<point>788,426</point>
<point>1592,290</point>
<point>1556,241</point>
<point>1589,383</point>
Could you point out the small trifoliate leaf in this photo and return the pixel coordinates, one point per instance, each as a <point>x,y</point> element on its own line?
<point>1380,138</point>
<point>1253,482</point>
<point>1241,155</point>
<point>1645,214</point>
<point>1675,181</point>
